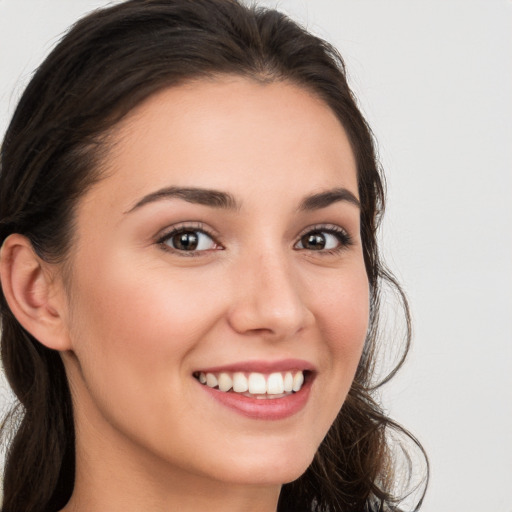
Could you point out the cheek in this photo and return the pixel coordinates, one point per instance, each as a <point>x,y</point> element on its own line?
<point>343,314</point>
<point>132,338</point>
<point>342,310</point>
<point>131,327</point>
<point>141,310</point>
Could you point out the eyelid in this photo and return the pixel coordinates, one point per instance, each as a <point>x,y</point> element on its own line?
<point>330,228</point>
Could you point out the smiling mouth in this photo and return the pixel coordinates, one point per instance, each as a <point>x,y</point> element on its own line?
<point>254,384</point>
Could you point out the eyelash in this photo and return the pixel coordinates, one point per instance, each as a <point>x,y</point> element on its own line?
<point>343,238</point>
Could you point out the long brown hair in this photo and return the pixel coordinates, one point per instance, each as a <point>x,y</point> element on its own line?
<point>108,63</point>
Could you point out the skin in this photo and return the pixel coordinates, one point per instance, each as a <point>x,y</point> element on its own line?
<point>138,317</point>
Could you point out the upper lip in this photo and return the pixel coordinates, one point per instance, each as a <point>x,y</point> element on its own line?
<point>262,366</point>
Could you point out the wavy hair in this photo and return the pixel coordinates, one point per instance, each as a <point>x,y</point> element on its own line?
<point>108,63</point>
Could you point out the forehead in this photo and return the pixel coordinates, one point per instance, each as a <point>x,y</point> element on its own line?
<point>231,134</point>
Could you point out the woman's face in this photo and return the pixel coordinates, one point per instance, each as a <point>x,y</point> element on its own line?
<point>222,246</point>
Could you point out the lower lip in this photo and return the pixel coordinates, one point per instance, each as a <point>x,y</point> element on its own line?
<point>266,408</point>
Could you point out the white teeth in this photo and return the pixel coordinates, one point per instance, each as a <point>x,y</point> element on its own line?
<point>288,382</point>
<point>211,380</point>
<point>225,382</point>
<point>275,384</point>
<point>240,383</point>
<point>298,380</point>
<point>257,384</point>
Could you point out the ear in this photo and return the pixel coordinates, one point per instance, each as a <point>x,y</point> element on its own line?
<point>34,294</point>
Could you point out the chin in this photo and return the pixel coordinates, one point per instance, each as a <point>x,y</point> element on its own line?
<point>269,470</point>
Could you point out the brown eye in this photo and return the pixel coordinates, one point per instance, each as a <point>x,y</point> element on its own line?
<point>314,241</point>
<point>330,239</point>
<point>189,240</point>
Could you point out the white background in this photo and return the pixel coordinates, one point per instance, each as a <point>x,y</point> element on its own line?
<point>434,79</point>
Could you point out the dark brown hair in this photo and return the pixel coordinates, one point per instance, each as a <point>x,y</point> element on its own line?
<point>107,64</point>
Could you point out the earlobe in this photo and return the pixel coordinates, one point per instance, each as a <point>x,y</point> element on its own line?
<point>31,292</point>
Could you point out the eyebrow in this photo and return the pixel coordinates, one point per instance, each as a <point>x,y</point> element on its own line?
<point>225,200</point>
<point>325,199</point>
<point>207,197</point>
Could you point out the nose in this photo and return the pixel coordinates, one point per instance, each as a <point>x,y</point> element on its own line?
<point>268,298</point>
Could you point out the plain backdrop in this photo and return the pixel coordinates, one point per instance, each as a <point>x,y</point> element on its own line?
<point>434,79</point>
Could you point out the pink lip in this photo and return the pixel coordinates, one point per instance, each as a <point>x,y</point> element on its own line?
<point>263,409</point>
<point>282,365</point>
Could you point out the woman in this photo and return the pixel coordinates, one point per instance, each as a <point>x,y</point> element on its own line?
<point>189,200</point>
